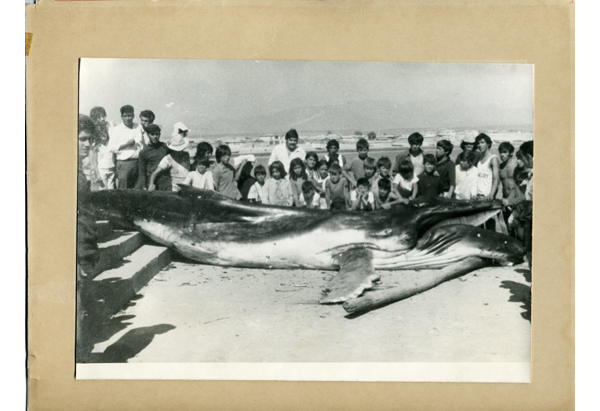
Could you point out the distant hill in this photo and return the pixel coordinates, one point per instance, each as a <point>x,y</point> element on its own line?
<point>367,116</point>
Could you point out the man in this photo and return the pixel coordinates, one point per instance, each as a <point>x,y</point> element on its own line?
<point>87,242</point>
<point>286,153</point>
<point>149,158</point>
<point>126,142</point>
<point>146,118</point>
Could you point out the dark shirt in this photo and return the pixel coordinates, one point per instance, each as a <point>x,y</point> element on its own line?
<point>447,171</point>
<point>87,238</point>
<point>429,186</point>
<point>246,186</point>
<point>149,158</point>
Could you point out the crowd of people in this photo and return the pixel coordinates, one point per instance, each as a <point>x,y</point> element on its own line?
<point>131,155</point>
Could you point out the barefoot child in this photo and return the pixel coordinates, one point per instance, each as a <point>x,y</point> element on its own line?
<point>201,178</point>
<point>361,198</point>
<point>406,183</point>
<point>336,187</point>
<point>279,191</point>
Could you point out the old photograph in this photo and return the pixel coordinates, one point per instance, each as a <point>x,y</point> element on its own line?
<point>304,220</point>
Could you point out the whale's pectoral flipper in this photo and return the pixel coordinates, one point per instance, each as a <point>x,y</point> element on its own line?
<point>356,275</point>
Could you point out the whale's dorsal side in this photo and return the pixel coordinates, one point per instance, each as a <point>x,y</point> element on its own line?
<point>356,275</point>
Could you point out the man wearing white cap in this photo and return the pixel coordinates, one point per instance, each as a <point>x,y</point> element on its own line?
<point>126,143</point>
<point>177,161</point>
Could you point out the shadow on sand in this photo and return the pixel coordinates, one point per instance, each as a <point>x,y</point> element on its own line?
<point>97,322</point>
<point>520,293</point>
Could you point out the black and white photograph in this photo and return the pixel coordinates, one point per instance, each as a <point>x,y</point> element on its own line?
<point>304,220</point>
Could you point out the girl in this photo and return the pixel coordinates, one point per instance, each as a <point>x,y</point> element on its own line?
<point>406,182</point>
<point>279,191</point>
<point>319,181</point>
<point>487,169</point>
<point>224,175</point>
<point>297,178</point>
<point>311,161</point>
<point>177,161</point>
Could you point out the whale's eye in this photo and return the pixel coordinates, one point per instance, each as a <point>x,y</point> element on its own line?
<point>383,233</point>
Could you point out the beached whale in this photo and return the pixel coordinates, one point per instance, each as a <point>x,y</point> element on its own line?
<point>207,227</point>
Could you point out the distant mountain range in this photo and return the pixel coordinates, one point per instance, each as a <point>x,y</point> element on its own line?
<point>367,116</point>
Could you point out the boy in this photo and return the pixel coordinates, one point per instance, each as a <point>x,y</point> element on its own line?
<point>201,178</point>
<point>361,198</point>
<point>507,169</point>
<point>333,146</point>
<point>336,187</point>
<point>384,166</point>
<point>308,197</point>
<point>466,177</point>
<point>370,168</point>
<point>446,167</point>
<point>429,183</point>
<point>415,154</point>
<point>355,169</point>
<point>258,192</point>
<point>385,197</point>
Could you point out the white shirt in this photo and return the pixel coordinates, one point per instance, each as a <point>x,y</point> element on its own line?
<point>405,184</point>
<point>197,180</point>
<point>316,201</point>
<point>281,153</point>
<point>370,197</point>
<point>106,160</point>
<point>121,134</point>
<point>466,183</point>
<point>258,192</point>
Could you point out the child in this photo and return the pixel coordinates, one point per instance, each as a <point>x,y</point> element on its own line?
<point>279,191</point>
<point>405,182</point>
<point>370,167</point>
<point>297,178</point>
<point>203,151</point>
<point>311,161</point>
<point>201,178</point>
<point>415,154</point>
<point>106,162</point>
<point>309,197</point>
<point>361,198</point>
<point>384,166</point>
<point>336,187</point>
<point>429,184</point>
<point>446,167</point>
<point>333,146</point>
<point>466,177</point>
<point>319,181</point>
<point>177,162</point>
<point>224,175</point>
<point>385,196</point>
<point>355,169</point>
<point>245,181</point>
<point>258,192</point>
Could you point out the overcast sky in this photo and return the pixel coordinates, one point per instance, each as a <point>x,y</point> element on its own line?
<point>199,91</point>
